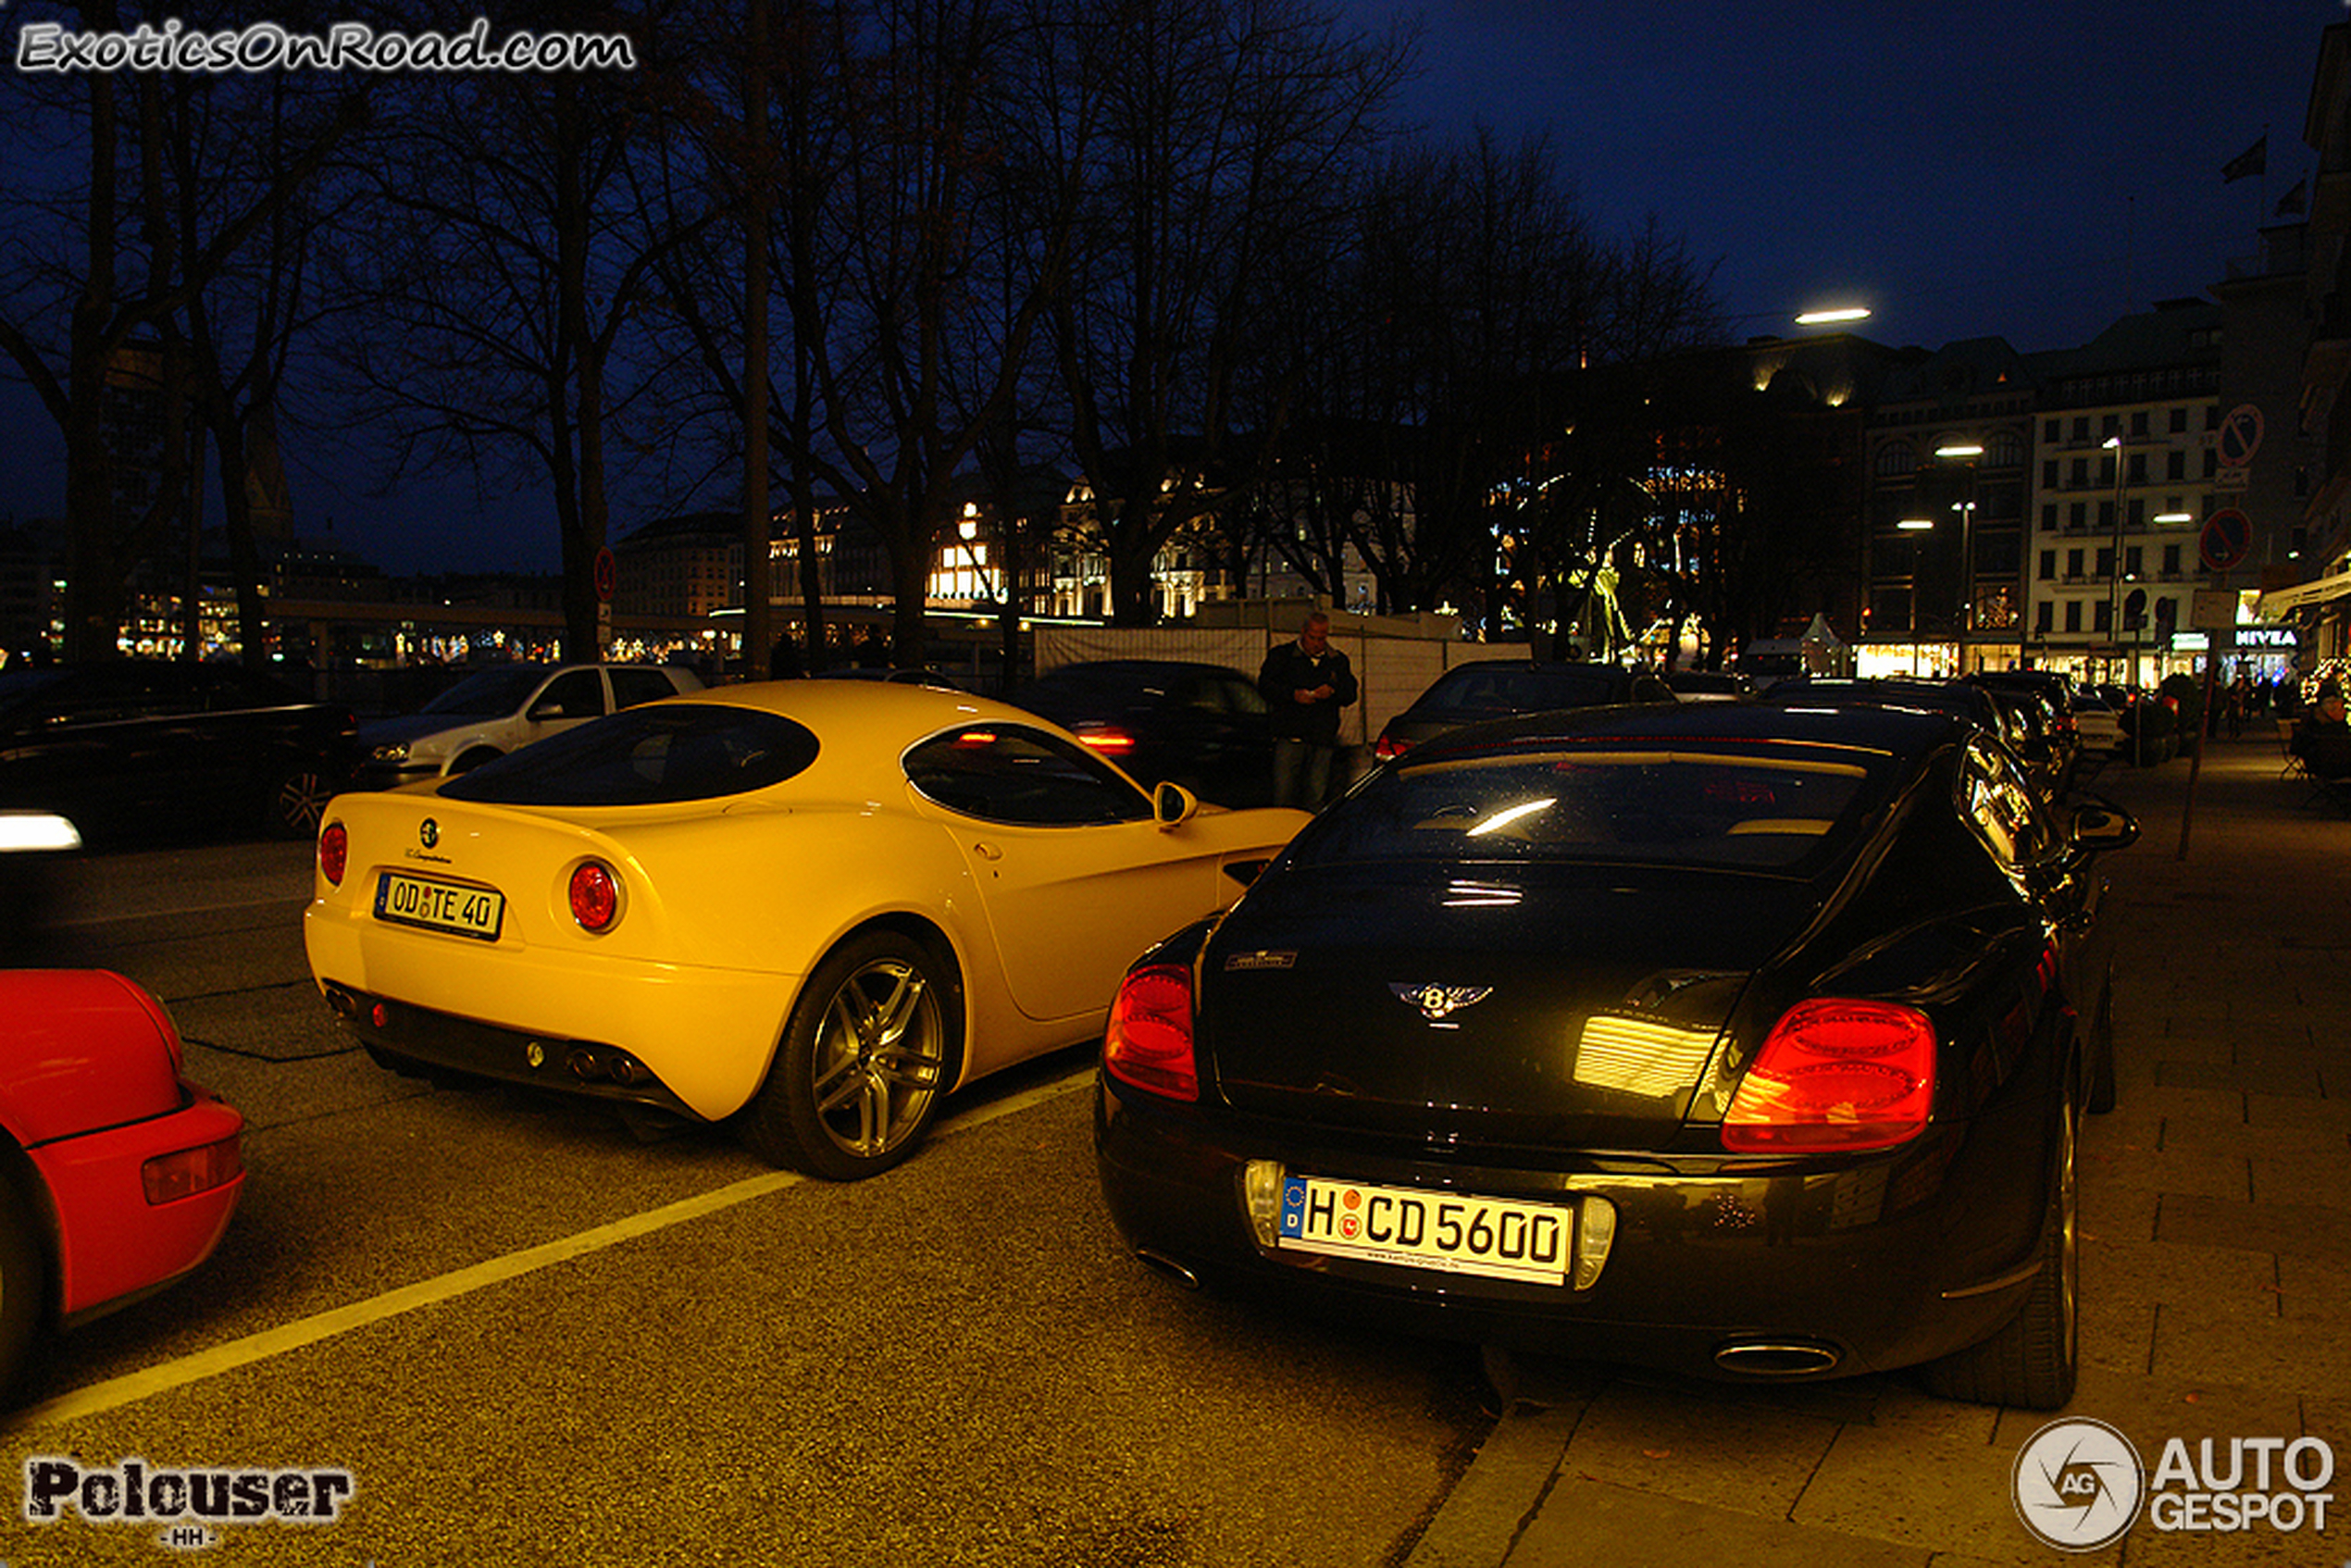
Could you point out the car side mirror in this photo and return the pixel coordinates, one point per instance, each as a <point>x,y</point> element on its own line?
<point>2099,826</point>
<point>1172,805</point>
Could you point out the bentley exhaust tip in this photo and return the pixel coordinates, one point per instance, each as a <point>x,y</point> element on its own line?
<point>1777,1358</point>
<point>1161,1263</point>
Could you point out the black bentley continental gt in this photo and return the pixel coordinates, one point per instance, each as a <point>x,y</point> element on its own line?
<point>1742,1040</point>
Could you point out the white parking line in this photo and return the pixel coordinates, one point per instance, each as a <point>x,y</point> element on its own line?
<point>130,1388</point>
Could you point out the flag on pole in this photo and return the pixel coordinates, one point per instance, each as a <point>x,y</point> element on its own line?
<point>2253,160</point>
<point>2296,201</point>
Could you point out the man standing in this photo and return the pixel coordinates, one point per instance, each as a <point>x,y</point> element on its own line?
<point>1305,683</point>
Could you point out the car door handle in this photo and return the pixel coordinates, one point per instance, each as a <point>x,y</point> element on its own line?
<point>988,851</point>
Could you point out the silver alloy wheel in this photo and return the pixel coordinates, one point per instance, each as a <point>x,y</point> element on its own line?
<point>877,1059</point>
<point>298,802</point>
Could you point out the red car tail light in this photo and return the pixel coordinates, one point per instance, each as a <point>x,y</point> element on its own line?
<point>1148,1042</point>
<point>169,1178</point>
<point>595,895</point>
<point>334,853</point>
<point>1836,1075</point>
<point>1388,748</point>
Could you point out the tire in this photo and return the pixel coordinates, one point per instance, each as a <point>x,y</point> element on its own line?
<point>24,1285</point>
<point>2101,1096</point>
<point>297,802</point>
<point>866,1060</point>
<point>2032,1362</point>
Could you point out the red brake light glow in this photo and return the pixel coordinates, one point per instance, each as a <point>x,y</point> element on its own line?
<point>1109,742</point>
<point>1836,1075</point>
<point>334,853</point>
<point>1388,748</point>
<point>1148,1042</point>
<point>595,895</point>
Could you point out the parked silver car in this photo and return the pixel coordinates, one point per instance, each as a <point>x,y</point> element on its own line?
<point>495,710</point>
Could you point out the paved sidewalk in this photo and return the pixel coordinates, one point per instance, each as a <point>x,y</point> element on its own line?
<point>2216,1264</point>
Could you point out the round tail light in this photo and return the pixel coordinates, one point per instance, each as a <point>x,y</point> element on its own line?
<point>595,895</point>
<point>334,853</point>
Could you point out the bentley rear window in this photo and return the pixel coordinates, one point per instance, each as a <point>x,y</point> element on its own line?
<point>646,756</point>
<point>1656,805</point>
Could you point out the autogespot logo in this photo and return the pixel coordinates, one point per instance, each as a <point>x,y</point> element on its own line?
<point>2078,1485</point>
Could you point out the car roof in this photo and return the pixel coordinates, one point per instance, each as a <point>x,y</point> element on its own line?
<point>1895,731</point>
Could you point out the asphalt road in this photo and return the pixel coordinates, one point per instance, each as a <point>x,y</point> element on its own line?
<point>528,1335</point>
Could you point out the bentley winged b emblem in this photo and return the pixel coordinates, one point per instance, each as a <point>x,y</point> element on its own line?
<point>1436,1001</point>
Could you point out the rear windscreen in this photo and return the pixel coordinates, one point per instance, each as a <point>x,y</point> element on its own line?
<point>1654,806</point>
<point>646,756</point>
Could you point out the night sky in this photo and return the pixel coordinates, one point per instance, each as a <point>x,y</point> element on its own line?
<point>2024,168</point>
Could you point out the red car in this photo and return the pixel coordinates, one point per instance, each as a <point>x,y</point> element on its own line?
<point>117,1174</point>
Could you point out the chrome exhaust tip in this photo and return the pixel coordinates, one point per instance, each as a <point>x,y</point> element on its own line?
<point>1777,1358</point>
<point>1161,1263</point>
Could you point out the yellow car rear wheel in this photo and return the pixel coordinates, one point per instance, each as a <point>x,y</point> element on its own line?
<point>866,1060</point>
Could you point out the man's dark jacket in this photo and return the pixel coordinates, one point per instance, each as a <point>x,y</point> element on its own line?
<point>1287,671</point>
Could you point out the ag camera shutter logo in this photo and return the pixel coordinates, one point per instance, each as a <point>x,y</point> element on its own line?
<point>2078,1485</point>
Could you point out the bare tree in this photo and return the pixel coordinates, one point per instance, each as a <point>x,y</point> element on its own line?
<point>501,289</point>
<point>103,265</point>
<point>1225,130</point>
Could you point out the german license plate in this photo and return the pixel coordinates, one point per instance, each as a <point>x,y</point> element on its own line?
<point>440,906</point>
<point>1501,1237</point>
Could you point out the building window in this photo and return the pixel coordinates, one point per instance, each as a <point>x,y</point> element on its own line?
<point>2048,515</point>
<point>2049,564</point>
<point>1897,459</point>
<point>2043,614</point>
<point>2178,421</point>
<point>2078,475</point>
<point>2170,560</point>
<point>2073,614</point>
<point>2175,465</point>
<point>2073,563</point>
<point>2102,617</point>
<point>2080,427</point>
<point>2106,561</point>
<point>2077,516</point>
<point>2131,565</point>
<point>2139,422</point>
<point>2050,429</point>
<point>2048,473</point>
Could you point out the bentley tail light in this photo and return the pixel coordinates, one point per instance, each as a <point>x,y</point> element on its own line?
<point>1148,1042</point>
<point>1388,748</point>
<point>595,895</point>
<point>334,853</point>
<point>1836,1075</point>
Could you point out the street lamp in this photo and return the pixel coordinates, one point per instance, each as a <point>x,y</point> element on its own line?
<point>1967,451</point>
<point>2114,576</point>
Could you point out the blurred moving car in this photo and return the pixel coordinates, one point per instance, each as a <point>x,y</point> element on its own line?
<point>1743,1041</point>
<point>814,906</point>
<point>137,746</point>
<point>32,845</point>
<point>1490,689</point>
<point>1204,727</point>
<point>117,1174</point>
<point>499,709</point>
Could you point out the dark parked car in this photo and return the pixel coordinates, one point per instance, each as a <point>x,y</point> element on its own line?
<point>1743,1041</point>
<point>137,746</point>
<point>2015,717</point>
<point>1491,688</point>
<point>1201,726</point>
<point>2055,688</point>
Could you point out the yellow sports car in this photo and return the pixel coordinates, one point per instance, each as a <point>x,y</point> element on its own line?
<point>814,906</point>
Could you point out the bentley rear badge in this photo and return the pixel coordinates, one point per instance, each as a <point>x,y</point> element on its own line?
<point>1437,1002</point>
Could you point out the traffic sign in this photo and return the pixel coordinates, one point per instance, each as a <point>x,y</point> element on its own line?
<point>2240,435</point>
<point>2227,535</point>
<point>607,575</point>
